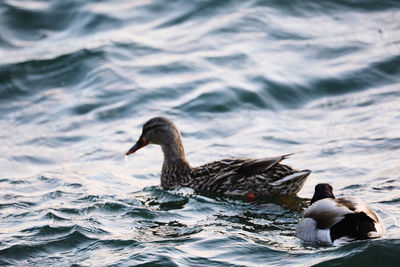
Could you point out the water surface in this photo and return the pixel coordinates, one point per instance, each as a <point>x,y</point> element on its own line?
<point>240,78</point>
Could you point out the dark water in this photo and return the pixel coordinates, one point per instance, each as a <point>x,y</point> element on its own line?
<point>240,78</point>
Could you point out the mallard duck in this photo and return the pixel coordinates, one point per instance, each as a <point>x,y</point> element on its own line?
<point>231,177</point>
<point>331,219</point>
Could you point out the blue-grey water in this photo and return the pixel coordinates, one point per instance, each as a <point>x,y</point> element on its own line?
<point>240,78</point>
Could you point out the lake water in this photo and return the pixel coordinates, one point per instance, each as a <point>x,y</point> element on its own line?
<point>240,79</point>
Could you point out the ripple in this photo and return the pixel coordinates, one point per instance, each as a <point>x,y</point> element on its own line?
<point>32,160</point>
<point>31,77</point>
<point>86,108</point>
<point>144,213</point>
<point>119,243</point>
<point>222,101</point>
<point>17,205</point>
<point>112,207</point>
<point>18,253</point>
<point>49,231</point>
<point>368,255</point>
<point>52,216</point>
<point>172,229</point>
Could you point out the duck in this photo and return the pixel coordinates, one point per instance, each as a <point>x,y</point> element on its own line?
<point>332,221</point>
<point>241,177</point>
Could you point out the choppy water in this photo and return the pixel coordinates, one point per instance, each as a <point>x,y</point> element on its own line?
<point>240,78</point>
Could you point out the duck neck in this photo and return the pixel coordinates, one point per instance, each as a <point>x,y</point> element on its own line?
<point>175,166</point>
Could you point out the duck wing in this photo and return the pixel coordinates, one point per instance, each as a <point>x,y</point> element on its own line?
<point>357,205</point>
<point>362,223</point>
<point>326,212</point>
<point>317,220</point>
<point>269,177</point>
<point>257,166</point>
<point>243,176</point>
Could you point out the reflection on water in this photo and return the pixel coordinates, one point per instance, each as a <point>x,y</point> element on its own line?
<point>239,78</point>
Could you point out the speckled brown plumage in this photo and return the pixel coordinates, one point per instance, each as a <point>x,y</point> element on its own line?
<point>232,177</point>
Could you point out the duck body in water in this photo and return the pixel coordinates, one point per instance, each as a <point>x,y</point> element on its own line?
<point>230,177</point>
<point>330,220</point>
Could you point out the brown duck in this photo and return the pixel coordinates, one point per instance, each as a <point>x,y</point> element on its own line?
<point>231,177</point>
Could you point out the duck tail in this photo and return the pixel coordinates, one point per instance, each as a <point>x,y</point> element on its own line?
<point>354,225</point>
<point>292,184</point>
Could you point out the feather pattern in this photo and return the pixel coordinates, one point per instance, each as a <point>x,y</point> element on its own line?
<point>235,177</point>
<point>232,177</point>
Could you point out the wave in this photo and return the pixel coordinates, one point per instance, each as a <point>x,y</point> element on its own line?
<point>19,253</point>
<point>366,255</point>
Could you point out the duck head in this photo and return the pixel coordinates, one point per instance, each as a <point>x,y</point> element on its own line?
<point>322,191</point>
<point>160,131</point>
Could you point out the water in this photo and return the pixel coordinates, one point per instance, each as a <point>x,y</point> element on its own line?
<point>239,78</point>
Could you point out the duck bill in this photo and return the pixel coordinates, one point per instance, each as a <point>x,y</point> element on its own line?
<point>139,144</point>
